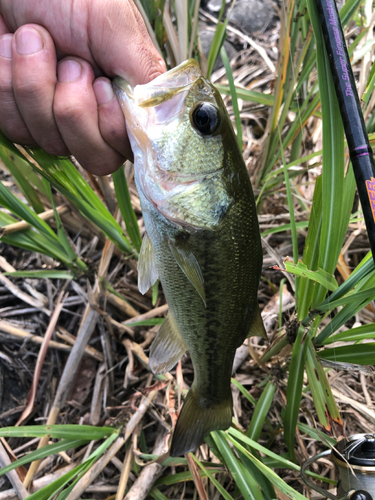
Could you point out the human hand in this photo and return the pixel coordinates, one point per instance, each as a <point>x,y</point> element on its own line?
<point>56,58</point>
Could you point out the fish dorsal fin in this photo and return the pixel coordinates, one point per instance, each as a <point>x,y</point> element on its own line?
<point>147,272</point>
<point>257,327</point>
<point>167,348</point>
<point>189,265</point>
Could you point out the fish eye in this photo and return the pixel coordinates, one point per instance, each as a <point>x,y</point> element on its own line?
<point>205,118</point>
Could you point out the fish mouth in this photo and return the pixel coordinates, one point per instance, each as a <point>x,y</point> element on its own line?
<point>162,88</point>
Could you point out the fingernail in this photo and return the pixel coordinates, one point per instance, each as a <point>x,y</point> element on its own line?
<point>103,92</point>
<point>5,46</point>
<point>28,41</point>
<point>68,71</point>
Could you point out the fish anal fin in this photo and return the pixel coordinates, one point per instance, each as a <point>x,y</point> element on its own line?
<point>147,272</point>
<point>257,327</point>
<point>189,265</point>
<point>167,348</point>
<point>198,419</point>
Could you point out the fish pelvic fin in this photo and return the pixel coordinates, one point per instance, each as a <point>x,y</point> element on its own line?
<point>189,265</point>
<point>196,420</point>
<point>257,327</point>
<point>167,348</point>
<point>147,272</point>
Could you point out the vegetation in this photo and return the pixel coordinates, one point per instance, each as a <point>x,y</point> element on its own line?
<point>294,101</point>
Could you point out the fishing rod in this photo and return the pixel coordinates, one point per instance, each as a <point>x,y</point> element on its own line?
<point>360,150</point>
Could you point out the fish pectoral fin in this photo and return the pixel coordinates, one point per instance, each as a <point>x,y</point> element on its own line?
<point>257,327</point>
<point>167,348</point>
<point>147,272</point>
<point>189,265</point>
<point>196,420</point>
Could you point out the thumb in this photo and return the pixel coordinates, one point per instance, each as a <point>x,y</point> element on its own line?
<point>120,43</point>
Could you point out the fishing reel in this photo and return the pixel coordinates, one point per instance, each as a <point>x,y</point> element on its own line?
<point>355,460</point>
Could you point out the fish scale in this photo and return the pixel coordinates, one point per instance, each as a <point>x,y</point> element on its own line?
<point>202,236</point>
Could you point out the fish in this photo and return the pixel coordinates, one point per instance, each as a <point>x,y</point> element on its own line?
<point>202,237</point>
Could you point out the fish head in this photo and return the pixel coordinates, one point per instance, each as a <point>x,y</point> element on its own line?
<point>176,125</point>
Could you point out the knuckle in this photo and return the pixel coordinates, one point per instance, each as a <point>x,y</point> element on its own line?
<point>54,147</point>
<point>29,89</point>
<point>17,132</point>
<point>68,112</point>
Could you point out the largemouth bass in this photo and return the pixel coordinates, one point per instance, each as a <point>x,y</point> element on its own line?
<point>202,237</point>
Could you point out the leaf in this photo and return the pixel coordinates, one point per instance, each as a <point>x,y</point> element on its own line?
<point>294,387</point>
<point>41,273</point>
<point>364,269</point>
<point>320,276</point>
<point>324,401</point>
<point>217,42</point>
<point>126,209</point>
<point>87,432</point>
<point>147,322</point>
<point>45,451</point>
<point>359,354</point>
<point>261,410</point>
<point>349,310</point>
<point>247,95</point>
<point>333,160</point>
<point>276,480</point>
<point>243,479</point>
<point>17,207</point>
<point>23,175</point>
<point>81,469</point>
<point>364,332</point>
<point>311,251</point>
<point>236,111</point>
<point>218,486</point>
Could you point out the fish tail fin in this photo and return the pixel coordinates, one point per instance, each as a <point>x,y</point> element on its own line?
<point>196,420</point>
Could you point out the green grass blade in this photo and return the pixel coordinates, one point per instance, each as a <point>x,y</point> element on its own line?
<point>349,310</point>
<point>349,299</point>
<point>21,210</point>
<point>157,494</point>
<point>291,211</point>
<point>353,335</point>
<point>126,209</point>
<point>62,275</point>
<point>364,269</point>
<point>276,480</point>
<point>319,276</point>
<point>218,486</point>
<point>244,391</point>
<point>21,173</point>
<point>45,451</point>
<point>243,479</point>
<point>55,486</point>
<point>217,43</point>
<point>247,95</point>
<point>317,436</point>
<point>87,432</point>
<point>261,410</point>
<point>50,490</point>
<point>311,250</point>
<point>236,111</point>
<point>147,322</point>
<point>333,160</point>
<point>348,10</point>
<point>284,227</point>
<point>324,401</point>
<point>62,174</point>
<point>294,387</point>
<point>61,234</point>
<point>359,354</point>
